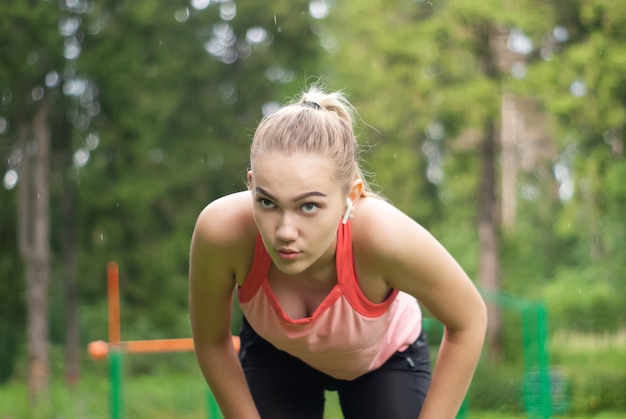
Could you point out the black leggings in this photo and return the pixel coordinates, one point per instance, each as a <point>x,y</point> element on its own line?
<point>283,387</point>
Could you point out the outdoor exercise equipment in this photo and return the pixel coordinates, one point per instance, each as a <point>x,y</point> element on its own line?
<point>542,390</point>
<point>114,348</point>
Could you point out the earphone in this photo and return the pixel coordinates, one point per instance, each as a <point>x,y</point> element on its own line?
<point>346,215</point>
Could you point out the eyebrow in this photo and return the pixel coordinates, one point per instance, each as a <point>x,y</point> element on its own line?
<point>297,198</point>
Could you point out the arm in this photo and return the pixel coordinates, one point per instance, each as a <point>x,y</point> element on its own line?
<point>413,261</point>
<point>211,283</point>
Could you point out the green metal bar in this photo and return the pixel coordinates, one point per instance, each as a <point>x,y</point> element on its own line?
<point>543,360</point>
<point>213,409</point>
<point>115,374</point>
<point>462,414</point>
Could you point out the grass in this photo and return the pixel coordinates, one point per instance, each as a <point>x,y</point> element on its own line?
<point>163,395</point>
<point>174,387</point>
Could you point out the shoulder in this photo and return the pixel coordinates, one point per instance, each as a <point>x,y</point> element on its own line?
<point>227,222</point>
<point>378,223</point>
<point>384,235</point>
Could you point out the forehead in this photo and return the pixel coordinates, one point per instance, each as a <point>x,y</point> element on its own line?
<point>281,172</point>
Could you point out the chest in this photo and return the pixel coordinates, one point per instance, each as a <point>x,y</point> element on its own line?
<point>300,295</point>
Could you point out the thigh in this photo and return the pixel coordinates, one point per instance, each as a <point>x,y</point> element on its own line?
<point>396,390</point>
<point>282,386</point>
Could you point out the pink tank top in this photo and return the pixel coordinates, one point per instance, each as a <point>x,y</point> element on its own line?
<point>347,335</point>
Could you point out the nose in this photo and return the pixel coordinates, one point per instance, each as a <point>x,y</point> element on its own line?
<point>287,231</point>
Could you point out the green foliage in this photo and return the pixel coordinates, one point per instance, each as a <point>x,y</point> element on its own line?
<point>583,300</point>
<point>496,388</point>
<point>589,362</point>
<point>598,392</point>
<point>175,127</point>
<point>12,315</point>
<point>174,124</point>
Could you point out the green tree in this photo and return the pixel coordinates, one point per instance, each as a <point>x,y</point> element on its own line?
<point>431,78</point>
<point>32,53</point>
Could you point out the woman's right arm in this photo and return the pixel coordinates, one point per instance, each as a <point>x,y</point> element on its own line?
<point>214,247</point>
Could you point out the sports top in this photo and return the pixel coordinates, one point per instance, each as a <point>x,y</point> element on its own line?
<point>347,335</point>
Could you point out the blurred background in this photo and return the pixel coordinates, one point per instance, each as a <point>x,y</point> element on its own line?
<point>498,125</point>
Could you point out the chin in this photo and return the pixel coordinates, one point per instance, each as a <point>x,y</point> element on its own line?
<point>290,268</point>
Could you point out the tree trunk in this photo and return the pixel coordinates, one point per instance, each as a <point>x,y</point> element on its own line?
<point>34,244</point>
<point>489,262</point>
<point>72,337</point>
<point>509,162</point>
<point>492,41</point>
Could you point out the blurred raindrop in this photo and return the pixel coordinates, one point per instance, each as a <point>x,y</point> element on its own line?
<point>221,45</point>
<point>529,192</point>
<point>279,74</point>
<point>69,26</point>
<point>81,157</point>
<point>566,190</point>
<point>228,11</point>
<point>75,87</point>
<point>37,93</point>
<point>95,27</point>
<point>329,43</point>
<point>546,53</point>
<point>610,137</point>
<point>561,171</point>
<point>318,9</point>
<point>31,148</point>
<point>431,71</point>
<point>244,50</point>
<point>269,108</point>
<point>256,35</point>
<point>15,157</point>
<point>72,48</point>
<point>560,33</point>
<point>519,70</point>
<point>578,88</point>
<point>228,93</point>
<point>435,173</point>
<point>200,4</point>
<point>518,42</point>
<point>52,79</point>
<point>10,179</point>
<point>32,58</point>
<point>182,15</point>
<point>92,141</point>
<point>4,125</point>
<point>435,130</point>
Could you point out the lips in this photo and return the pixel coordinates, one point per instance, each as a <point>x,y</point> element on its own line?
<point>287,254</point>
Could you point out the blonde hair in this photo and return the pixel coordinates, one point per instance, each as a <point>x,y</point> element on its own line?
<point>319,123</point>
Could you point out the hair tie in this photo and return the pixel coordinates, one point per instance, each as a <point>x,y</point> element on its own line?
<point>310,104</point>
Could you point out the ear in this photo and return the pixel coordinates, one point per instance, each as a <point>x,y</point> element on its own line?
<point>249,176</point>
<point>356,191</point>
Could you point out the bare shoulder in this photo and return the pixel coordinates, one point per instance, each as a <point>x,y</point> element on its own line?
<point>378,228</point>
<point>227,222</point>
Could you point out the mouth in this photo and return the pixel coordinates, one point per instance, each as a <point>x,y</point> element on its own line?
<point>287,254</point>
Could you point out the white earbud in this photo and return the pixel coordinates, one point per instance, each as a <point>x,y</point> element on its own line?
<point>346,215</point>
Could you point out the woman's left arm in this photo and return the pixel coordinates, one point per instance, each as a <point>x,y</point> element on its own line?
<point>413,261</point>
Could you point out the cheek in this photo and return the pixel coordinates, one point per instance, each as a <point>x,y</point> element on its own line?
<point>325,232</point>
<point>262,220</point>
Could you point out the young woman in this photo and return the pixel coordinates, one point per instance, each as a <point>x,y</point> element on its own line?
<point>328,277</point>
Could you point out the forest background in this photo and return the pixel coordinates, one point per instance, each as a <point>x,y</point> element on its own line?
<point>498,125</point>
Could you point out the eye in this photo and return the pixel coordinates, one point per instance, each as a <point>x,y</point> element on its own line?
<point>310,207</point>
<point>265,203</point>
